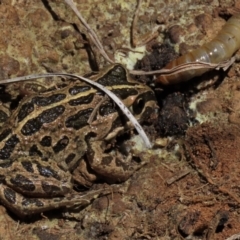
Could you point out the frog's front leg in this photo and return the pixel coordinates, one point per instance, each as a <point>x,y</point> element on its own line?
<point>112,167</point>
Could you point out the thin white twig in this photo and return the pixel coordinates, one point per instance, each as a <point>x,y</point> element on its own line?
<point>91,33</point>
<point>234,237</point>
<point>188,66</point>
<point>108,92</point>
<point>145,38</point>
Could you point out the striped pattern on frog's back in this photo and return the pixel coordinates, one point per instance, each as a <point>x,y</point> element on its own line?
<point>55,124</point>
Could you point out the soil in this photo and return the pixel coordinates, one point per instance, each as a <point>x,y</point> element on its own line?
<point>189,187</point>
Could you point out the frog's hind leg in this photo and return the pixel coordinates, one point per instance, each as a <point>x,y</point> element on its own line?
<point>24,206</point>
<point>33,177</point>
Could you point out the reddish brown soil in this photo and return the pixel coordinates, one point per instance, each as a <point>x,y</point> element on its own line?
<point>190,188</point>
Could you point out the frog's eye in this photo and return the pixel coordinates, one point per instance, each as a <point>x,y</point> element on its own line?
<point>138,106</point>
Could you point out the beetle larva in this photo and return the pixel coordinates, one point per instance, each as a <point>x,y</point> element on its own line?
<point>221,48</point>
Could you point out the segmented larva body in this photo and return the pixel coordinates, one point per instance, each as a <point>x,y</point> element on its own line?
<point>221,48</point>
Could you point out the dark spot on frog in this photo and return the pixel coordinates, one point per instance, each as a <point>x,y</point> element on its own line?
<point>47,171</point>
<point>61,144</point>
<point>3,116</point>
<point>28,166</point>
<point>6,164</point>
<point>34,151</point>
<point>78,89</point>
<point>69,158</point>
<point>2,179</point>
<point>106,160</point>
<point>23,183</point>
<point>46,141</point>
<point>45,101</point>
<point>79,120</point>
<point>33,125</point>
<point>32,201</point>
<point>10,195</point>
<point>115,76</point>
<point>5,133</point>
<point>25,110</point>
<point>51,190</point>
<point>124,93</point>
<point>9,146</point>
<point>51,115</point>
<point>107,109</point>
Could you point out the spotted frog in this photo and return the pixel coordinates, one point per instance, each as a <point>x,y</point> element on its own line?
<point>59,138</point>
